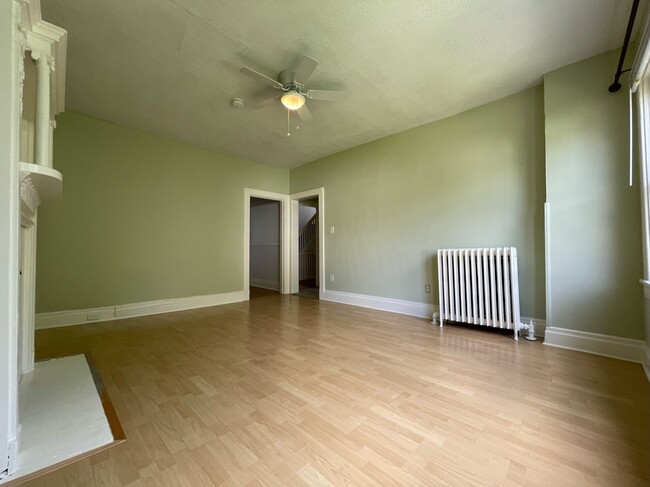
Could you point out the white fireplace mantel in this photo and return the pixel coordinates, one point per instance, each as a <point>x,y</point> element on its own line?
<point>38,184</point>
<point>33,52</point>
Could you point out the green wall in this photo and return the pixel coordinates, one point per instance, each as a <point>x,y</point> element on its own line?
<point>145,218</point>
<point>594,218</point>
<point>472,180</point>
<point>142,218</point>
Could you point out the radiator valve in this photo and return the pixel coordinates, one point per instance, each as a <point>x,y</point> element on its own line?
<point>531,332</point>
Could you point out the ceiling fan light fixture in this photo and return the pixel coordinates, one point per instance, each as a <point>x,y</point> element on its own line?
<point>292,100</point>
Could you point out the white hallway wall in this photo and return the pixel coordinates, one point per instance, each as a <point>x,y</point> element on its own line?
<point>304,214</point>
<point>265,244</point>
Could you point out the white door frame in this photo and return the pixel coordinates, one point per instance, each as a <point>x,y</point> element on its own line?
<point>295,269</point>
<point>10,87</point>
<point>285,256</point>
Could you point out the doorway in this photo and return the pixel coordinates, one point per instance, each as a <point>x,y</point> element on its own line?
<point>308,236</point>
<point>289,221</point>
<point>264,247</point>
<point>271,212</point>
<point>308,243</point>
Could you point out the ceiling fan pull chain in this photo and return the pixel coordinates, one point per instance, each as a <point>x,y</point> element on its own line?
<point>288,123</point>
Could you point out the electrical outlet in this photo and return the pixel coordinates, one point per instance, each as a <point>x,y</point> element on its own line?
<point>331,277</point>
<point>92,316</point>
<point>332,230</point>
<point>427,288</point>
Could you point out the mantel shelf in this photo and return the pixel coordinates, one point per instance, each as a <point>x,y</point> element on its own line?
<point>47,181</point>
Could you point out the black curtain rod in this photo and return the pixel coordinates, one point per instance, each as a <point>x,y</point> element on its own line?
<point>615,86</point>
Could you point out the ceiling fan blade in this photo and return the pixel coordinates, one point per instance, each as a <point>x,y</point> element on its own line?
<point>326,95</point>
<point>305,70</point>
<point>262,78</point>
<point>264,102</point>
<point>304,113</point>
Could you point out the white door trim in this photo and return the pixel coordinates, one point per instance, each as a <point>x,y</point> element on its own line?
<point>10,90</point>
<point>295,274</point>
<point>285,256</point>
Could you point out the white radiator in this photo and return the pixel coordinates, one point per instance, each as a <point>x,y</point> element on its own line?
<point>479,287</point>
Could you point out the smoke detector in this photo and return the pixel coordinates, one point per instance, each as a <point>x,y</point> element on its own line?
<point>237,103</point>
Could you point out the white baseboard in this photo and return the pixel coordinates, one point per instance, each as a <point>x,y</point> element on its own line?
<point>73,317</point>
<point>609,346</point>
<point>265,284</point>
<point>178,304</point>
<point>77,317</point>
<point>411,308</point>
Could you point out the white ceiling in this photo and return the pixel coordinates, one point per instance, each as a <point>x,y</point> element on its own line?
<point>171,67</point>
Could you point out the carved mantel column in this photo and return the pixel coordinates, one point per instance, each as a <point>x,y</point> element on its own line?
<point>44,67</point>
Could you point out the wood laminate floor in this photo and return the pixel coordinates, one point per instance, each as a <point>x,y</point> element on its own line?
<point>284,390</point>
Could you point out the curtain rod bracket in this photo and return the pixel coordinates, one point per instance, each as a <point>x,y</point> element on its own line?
<point>615,86</point>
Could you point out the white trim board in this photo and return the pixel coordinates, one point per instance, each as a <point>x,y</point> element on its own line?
<point>609,346</point>
<point>58,319</point>
<point>78,317</point>
<point>265,284</point>
<point>411,308</point>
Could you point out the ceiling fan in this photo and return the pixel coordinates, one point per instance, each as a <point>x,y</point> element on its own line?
<point>294,92</point>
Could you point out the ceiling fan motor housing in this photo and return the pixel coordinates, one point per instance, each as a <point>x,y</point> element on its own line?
<point>286,77</point>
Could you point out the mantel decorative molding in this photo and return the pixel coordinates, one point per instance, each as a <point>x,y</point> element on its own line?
<point>29,201</point>
<point>29,193</point>
<point>37,184</point>
<point>43,59</point>
<point>44,40</point>
<point>21,37</point>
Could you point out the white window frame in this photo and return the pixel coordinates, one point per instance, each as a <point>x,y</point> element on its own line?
<point>643,118</point>
<point>639,84</point>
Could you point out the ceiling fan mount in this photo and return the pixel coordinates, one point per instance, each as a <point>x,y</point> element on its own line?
<point>292,82</point>
<point>288,79</point>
